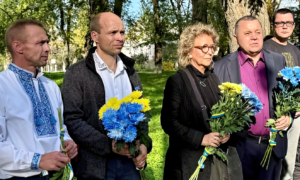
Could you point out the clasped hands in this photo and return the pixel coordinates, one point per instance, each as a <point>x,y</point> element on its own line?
<point>56,160</point>
<point>213,139</point>
<point>140,160</point>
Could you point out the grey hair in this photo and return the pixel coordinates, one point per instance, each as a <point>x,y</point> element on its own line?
<point>244,18</point>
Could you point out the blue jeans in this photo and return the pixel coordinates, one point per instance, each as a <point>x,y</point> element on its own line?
<point>121,168</point>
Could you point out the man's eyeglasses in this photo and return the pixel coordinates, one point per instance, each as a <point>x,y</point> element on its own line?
<point>206,48</point>
<point>281,24</point>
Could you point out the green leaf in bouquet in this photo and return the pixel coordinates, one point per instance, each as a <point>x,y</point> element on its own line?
<point>58,174</point>
<point>148,116</point>
<point>247,118</point>
<point>250,114</point>
<point>132,148</point>
<point>144,139</point>
<point>227,122</point>
<point>227,129</point>
<point>211,149</point>
<point>236,129</point>
<point>270,122</point>
<point>221,155</point>
<point>119,145</point>
<point>280,133</point>
<point>212,125</point>
<point>222,133</point>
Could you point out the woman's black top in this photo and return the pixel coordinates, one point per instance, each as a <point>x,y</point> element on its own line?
<point>181,120</point>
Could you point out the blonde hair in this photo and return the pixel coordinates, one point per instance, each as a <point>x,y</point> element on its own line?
<point>187,40</point>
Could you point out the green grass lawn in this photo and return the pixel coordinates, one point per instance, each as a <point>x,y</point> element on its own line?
<point>153,85</point>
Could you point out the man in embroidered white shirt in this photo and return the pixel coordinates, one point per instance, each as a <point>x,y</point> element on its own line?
<point>29,123</point>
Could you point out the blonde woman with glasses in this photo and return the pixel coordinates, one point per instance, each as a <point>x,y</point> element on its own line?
<point>188,98</point>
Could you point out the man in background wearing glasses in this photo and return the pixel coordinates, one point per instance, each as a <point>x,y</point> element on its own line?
<point>283,24</point>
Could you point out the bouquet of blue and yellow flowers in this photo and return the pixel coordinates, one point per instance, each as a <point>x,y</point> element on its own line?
<point>121,119</point>
<point>231,114</point>
<point>287,98</point>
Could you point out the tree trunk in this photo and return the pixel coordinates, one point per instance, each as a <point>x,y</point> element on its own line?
<point>178,14</point>
<point>235,9</point>
<point>158,32</point>
<point>118,7</point>
<point>96,6</point>
<point>199,11</point>
<point>298,22</point>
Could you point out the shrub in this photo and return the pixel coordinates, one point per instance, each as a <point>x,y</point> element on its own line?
<point>168,66</point>
<point>140,60</point>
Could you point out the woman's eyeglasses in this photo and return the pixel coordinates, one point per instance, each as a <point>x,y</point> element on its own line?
<point>206,48</point>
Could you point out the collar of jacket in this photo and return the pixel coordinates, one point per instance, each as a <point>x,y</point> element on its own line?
<point>127,61</point>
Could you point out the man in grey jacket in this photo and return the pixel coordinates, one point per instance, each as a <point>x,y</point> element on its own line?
<point>87,86</point>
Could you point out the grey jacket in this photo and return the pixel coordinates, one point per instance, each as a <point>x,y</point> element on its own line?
<point>83,95</point>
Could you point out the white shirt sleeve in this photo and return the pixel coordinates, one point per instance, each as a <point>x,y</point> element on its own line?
<point>11,158</point>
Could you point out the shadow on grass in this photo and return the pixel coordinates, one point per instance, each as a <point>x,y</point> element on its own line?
<point>153,87</point>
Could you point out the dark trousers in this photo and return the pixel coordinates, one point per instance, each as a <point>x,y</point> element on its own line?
<point>121,168</point>
<point>29,178</point>
<point>251,154</point>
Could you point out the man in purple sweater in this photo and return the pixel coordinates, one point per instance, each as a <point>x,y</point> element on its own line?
<point>257,69</point>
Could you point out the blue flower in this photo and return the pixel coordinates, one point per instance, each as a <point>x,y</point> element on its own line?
<point>109,119</point>
<point>134,108</point>
<point>287,73</point>
<point>253,101</point>
<point>294,81</point>
<point>136,118</point>
<point>123,123</point>
<point>246,92</point>
<point>122,112</point>
<point>115,134</point>
<point>297,72</point>
<point>129,134</point>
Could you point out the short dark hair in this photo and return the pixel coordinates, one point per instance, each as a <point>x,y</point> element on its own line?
<point>244,18</point>
<point>13,32</point>
<point>95,23</point>
<point>282,11</point>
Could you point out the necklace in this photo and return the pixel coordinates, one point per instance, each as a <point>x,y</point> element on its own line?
<point>202,83</point>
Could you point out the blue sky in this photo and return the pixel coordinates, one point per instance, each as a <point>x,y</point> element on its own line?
<point>289,3</point>
<point>136,6</point>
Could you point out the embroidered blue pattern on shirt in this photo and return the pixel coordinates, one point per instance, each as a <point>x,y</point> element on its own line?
<point>44,120</point>
<point>35,161</point>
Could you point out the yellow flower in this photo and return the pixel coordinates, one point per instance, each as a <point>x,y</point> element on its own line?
<point>136,94</point>
<point>127,99</point>
<point>102,110</point>
<point>279,74</point>
<point>146,109</point>
<point>146,104</point>
<point>111,102</point>
<point>117,105</point>
<point>222,88</point>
